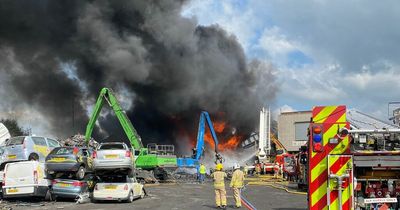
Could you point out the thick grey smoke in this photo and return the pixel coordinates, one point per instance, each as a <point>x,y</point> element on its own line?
<point>173,67</point>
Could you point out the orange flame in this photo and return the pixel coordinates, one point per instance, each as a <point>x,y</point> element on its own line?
<point>228,144</point>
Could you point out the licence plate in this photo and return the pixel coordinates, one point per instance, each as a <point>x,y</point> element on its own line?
<point>64,185</point>
<point>12,190</point>
<point>110,187</point>
<point>12,156</point>
<point>111,156</point>
<point>58,159</point>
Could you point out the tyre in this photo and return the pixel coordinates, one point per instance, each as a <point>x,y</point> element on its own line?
<point>80,174</point>
<point>48,196</point>
<point>130,197</point>
<point>160,174</point>
<point>131,173</point>
<point>49,175</point>
<point>34,157</point>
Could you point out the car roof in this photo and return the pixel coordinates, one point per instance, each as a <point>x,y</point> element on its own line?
<point>32,136</point>
<point>112,142</point>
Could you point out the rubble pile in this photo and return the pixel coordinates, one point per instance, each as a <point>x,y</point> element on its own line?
<point>78,140</point>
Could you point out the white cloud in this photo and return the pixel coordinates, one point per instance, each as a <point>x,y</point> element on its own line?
<point>353,46</point>
<point>275,42</point>
<point>228,15</point>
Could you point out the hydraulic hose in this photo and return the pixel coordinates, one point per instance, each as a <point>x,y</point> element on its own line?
<point>245,202</point>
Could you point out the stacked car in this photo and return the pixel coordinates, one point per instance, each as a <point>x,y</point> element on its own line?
<point>113,165</point>
<point>41,167</point>
<point>70,170</point>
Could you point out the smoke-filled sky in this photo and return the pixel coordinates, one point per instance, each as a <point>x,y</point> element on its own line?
<point>56,55</point>
<point>327,52</point>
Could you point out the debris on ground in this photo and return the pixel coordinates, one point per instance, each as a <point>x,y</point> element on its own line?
<point>146,176</point>
<point>83,198</point>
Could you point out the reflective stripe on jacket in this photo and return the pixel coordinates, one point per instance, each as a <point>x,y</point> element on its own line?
<point>219,179</point>
<point>202,169</point>
<point>237,180</point>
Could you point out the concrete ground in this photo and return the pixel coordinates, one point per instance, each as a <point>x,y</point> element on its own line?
<point>181,197</point>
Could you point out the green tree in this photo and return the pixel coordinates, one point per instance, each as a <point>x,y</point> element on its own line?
<point>13,127</point>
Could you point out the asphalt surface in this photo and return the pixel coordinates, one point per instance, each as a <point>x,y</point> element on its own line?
<point>178,197</point>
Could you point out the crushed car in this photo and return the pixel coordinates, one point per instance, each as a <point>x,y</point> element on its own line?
<point>69,188</point>
<point>71,161</point>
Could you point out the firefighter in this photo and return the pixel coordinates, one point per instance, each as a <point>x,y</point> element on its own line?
<point>276,170</point>
<point>258,169</point>
<point>202,173</point>
<point>237,183</point>
<point>246,169</point>
<point>219,186</point>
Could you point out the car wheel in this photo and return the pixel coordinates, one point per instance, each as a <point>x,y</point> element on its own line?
<point>131,173</point>
<point>130,197</point>
<point>49,175</point>
<point>48,196</point>
<point>34,157</point>
<point>80,174</point>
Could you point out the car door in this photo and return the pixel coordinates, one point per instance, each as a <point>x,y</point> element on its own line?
<point>86,159</point>
<point>137,189</point>
<point>51,143</point>
<point>40,147</point>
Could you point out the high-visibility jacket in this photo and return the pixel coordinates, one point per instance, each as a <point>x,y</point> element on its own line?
<point>219,179</point>
<point>202,169</point>
<point>237,180</point>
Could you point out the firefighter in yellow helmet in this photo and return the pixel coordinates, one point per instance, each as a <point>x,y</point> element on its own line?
<point>219,186</point>
<point>202,173</point>
<point>237,183</point>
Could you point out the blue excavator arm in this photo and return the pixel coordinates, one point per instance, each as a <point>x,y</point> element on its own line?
<point>198,151</point>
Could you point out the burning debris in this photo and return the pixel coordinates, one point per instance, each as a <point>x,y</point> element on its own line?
<point>229,140</point>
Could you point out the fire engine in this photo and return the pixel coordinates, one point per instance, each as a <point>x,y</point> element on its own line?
<point>282,159</point>
<point>351,168</point>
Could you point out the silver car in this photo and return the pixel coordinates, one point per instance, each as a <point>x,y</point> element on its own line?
<point>22,148</point>
<point>112,156</point>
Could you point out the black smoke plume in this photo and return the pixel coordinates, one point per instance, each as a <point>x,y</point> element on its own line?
<point>57,55</point>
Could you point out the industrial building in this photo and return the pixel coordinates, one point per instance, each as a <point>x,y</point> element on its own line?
<point>292,129</point>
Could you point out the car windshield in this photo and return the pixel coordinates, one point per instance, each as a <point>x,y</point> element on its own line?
<point>39,141</point>
<point>16,140</point>
<point>62,151</point>
<point>111,146</point>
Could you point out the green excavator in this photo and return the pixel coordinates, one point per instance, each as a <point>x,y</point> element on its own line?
<point>155,158</point>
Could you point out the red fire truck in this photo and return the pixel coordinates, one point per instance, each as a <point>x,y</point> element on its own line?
<point>351,169</point>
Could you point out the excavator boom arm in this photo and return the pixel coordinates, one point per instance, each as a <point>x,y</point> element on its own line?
<point>278,144</point>
<point>205,118</point>
<point>107,94</point>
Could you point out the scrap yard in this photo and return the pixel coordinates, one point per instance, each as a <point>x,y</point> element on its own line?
<point>199,104</point>
<point>79,172</point>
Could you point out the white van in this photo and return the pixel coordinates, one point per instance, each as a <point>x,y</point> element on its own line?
<point>25,179</point>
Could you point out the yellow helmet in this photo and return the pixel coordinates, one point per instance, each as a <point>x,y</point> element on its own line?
<point>219,167</point>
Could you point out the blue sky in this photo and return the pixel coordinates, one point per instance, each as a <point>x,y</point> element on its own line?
<point>324,52</point>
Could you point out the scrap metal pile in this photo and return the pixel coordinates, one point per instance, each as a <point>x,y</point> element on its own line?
<point>78,140</point>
